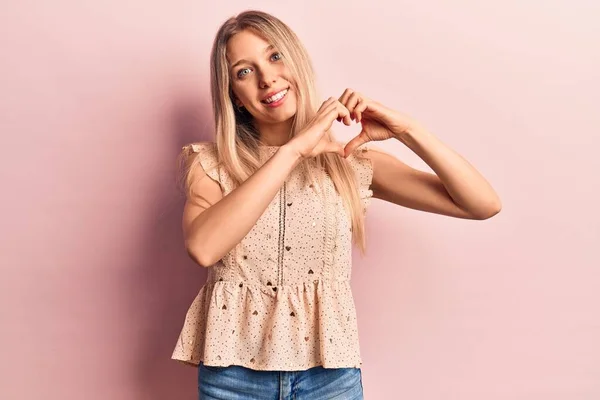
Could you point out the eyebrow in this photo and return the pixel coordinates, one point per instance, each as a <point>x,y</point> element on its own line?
<point>269,47</point>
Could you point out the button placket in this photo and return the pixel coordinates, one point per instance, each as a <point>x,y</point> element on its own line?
<point>283,205</point>
<point>329,223</point>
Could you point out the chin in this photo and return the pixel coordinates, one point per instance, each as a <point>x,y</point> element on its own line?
<point>287,112</point>
<point>286,117</point>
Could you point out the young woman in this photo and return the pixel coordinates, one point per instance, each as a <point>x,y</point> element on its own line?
<point>273,208</point>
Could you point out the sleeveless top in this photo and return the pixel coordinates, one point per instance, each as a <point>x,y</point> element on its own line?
<point>281,298</point>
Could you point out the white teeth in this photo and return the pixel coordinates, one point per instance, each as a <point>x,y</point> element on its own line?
<point>276,97</point>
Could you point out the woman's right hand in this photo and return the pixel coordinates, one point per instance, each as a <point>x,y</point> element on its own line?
<point>312,141</point>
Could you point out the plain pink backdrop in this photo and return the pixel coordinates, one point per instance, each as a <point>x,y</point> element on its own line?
<point>97,99</point>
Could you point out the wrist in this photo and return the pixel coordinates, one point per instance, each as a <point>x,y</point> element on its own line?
<point>290,153</point>
<point>411,133</point>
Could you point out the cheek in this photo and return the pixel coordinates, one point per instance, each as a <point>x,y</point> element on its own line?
<point>240,90</point>
<point>237,93</point>
<point>294,97</point>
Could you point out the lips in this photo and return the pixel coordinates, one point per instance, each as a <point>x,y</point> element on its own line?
<point>270,95</point>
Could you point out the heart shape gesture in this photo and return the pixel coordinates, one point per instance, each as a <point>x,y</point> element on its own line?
<point>378,122</point>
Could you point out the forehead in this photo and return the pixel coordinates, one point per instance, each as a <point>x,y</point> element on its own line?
<point>245,45</point>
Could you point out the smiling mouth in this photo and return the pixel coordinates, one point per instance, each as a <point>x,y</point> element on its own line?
<point>276,97</point>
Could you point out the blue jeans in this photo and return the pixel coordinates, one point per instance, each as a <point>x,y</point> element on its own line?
<point>240,383</point>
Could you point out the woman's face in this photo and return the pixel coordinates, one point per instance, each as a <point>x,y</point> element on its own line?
<point>259,79</point>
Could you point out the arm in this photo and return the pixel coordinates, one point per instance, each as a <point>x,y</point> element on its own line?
<point>213,224</point>
<point>213,229</point>
<point>456,189</point>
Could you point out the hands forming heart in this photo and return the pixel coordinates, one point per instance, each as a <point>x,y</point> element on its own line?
<point>378,122</point>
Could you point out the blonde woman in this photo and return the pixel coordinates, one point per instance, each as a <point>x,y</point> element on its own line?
<point>273,207</point>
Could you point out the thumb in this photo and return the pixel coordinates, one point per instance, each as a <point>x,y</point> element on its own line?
<point>335,147</point>
<point>356,142</point>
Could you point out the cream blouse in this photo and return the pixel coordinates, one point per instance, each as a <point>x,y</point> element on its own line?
<point>281,298</point>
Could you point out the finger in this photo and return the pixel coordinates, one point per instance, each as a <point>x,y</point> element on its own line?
<point>351,104</point>
<point>339,112</point>
<point>325,107</point>
<point>356,142</point>
<point>360,109</point>
<point>345,113</point>
<point>345,96</point>
<point>326,104</point>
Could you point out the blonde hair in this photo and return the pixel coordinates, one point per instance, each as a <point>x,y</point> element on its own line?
<point>238,141</point>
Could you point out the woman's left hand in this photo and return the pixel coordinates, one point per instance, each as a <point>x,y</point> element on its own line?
<point>378,122</point>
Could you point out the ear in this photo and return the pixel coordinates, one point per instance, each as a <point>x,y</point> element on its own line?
<point>235,99</point>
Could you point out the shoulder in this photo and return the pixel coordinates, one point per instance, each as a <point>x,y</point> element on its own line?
<point>203,151</point>
<point>366,159</point>
<point>369,157</point>
<point>366,150</point>
<point>200,153</point>
<point>201,148</point>
<point>359,159</point>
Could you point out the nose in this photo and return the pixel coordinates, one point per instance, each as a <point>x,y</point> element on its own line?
<point>267,77</point>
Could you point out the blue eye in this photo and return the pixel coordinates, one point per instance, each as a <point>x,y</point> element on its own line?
<point>274,57</point>
<point>239,74</point>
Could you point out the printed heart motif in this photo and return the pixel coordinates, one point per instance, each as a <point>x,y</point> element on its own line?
<point>292,314</point>
<point>287,248</point>
<point>306,338</point>
<point>224,307</point>
<point>255,312</point>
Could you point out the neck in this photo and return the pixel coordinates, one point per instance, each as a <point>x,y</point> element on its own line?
<point>276,134</point>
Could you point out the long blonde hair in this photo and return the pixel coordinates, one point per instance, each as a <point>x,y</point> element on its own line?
<point>237,140</point>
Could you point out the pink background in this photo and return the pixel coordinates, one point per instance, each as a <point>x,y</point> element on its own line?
<point>97,98</point>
